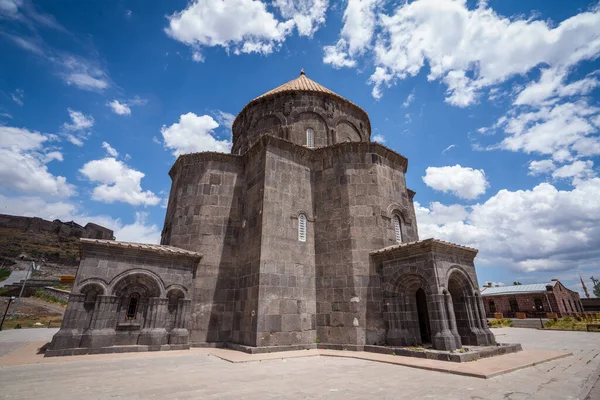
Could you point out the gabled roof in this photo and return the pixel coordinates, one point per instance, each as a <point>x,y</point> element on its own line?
<point>517,289</point>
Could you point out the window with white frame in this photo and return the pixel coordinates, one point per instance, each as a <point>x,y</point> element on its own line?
<point>310,138</point>
<point>397,229</point>
<point>302,228</point>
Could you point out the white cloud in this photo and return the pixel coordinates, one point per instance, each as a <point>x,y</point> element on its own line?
<point>118,108</point>
<point>138,231</point>
<point>409,99</point>
<point>473,49</point>
<point>379,138</point>
<point>558,130</point>
<point>307,15</point>
<point>224,118</point>
<point>578,169</point>
<point>244,26</point>
<point>23,160</point>
<point>124,107</point>
<point>541,167</point>
<point>448,148</point>
<point>79,121</point>
<point>128,14</point>
<point>466,183</point>
<point>84,73</point>
<point>528,230</point>
<point>552,85</point>
<point>109,149</point>
<point>357,32</point>
<point>117,182</point>
<point>17,96</point>
<point>193,134</point>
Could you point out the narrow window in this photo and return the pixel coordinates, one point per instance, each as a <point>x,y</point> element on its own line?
<point>302,228</point>
<point>539,306</point>
<point>132,307</point>
<point>492,307</point>
<point>397,229</point>
<point>310,138</point>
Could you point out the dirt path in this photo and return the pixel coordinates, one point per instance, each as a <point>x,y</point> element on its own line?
<point>32,307</point>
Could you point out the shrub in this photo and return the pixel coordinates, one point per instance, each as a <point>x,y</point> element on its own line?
<point>17,326</point>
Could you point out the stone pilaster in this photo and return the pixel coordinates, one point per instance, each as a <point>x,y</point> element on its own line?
<point>442,338</point>
<point>180,334</point>
<point>73,324</point>
<point>490,339</point>
<point>101,332</point>
<point>452,319</point>
<point>154,332</point>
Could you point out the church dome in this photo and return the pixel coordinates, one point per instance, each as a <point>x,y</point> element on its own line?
<point>298,105</point>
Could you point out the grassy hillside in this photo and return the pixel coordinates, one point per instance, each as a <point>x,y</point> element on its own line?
<point>44,245</point>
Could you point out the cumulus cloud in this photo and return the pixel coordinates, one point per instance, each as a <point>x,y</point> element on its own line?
<point>117,182</point>
<point>379,138</point>
<point>469,50</point>
<point>24,156</point>
<point>355,37</point>
<point>463,182</point>
<point>118,108</point>
<point>124,107</point>
<point>578,169</point>
<point>77,131</point>
<point>529,230</point>
<point>193,134</point>
<point>541,167</point>
<point>109,149</point>
<point>243,26</point>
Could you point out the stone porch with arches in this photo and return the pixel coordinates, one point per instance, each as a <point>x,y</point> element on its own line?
<point>128,297</point>
<point>431,296</point>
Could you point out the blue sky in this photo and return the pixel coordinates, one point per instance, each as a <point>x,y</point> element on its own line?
<point>495,104</point>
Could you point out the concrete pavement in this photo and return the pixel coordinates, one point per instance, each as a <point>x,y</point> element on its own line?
<point>193,375</point>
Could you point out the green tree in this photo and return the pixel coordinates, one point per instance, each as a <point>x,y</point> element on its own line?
<point>596,286</point>
<point>517,283</point>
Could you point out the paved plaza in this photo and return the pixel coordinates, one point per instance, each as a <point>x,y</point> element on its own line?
<point>192,375</point>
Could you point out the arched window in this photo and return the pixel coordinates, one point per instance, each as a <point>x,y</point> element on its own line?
<point>132,307</point>
<point>397,229</point>
<point>302,228</point>
<point>310,138</point>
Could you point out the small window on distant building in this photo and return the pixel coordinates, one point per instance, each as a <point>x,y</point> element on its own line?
<point>132,307</point>
<point>397,229</point>
<point>492,306</point>
<point>310,138</point>
<point>302,228</point>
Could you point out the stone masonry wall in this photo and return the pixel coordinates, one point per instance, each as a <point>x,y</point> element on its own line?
<point>288,115</point>
<point>287,303</point>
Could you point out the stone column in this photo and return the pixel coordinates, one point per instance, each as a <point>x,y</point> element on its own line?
<point>154,332</point>
<point>180,334</point>
<point>442,338</point>
<point>101,332</point>
<point>73,324</point>
<point>490,339</point>
<point>452,319</point>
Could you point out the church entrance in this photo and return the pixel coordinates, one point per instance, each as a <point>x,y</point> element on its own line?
<point>423,316</point>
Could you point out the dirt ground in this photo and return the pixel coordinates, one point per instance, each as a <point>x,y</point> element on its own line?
<point>32,311</point>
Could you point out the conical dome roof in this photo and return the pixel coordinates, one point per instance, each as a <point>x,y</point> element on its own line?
<point>302,84</point>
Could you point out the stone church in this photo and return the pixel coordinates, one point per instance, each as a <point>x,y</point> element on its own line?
<point>304,236</point>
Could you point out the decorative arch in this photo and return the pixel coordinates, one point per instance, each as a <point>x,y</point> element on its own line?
<point>456,272</point>
<point>270,123</point>
<point>89,283</point>
<point>347,130</point>
<point>404,282</point>
<point>138,277</point>
<point>397,209</point>
<point>175,286</point>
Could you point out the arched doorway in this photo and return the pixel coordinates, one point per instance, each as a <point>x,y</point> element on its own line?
<point>423,316</point>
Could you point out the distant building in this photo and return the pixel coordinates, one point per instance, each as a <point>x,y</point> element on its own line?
<point>591,305</point>
<point>551,297</point>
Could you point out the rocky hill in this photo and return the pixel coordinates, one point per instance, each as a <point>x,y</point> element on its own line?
<point>32,238</point>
